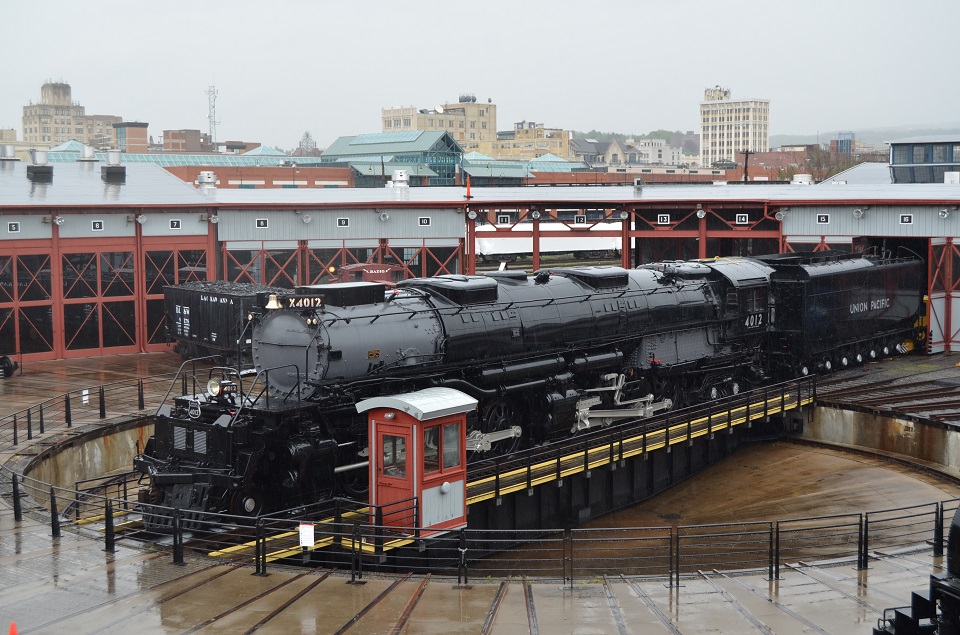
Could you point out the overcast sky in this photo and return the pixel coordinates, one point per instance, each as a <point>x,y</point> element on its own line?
<point>283,67</point>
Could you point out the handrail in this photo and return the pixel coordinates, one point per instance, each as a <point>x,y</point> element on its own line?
<point>180,370</point>
<point>574,554</point>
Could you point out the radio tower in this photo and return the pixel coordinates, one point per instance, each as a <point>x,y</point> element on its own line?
<point>212,114</point>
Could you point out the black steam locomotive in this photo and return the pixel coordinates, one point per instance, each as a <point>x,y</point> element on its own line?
<point>546,355</point>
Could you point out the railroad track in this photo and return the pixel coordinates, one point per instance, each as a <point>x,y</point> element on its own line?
<point>916,387</point>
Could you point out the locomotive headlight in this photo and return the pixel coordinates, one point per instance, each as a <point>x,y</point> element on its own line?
<point>221,387</point>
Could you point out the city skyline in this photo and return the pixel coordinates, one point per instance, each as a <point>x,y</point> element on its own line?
<point>623,67</point>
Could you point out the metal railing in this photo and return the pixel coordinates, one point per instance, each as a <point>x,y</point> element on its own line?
<point>353,535</point>
<point>83,406</point>
<point>495,477</point>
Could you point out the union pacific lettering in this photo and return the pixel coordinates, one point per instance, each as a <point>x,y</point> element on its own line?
<point>872,305</point>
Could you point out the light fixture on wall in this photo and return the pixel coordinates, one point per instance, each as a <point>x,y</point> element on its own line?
<point>384,217</point>
<point>471,214</point>
<point>59,220</point>
<point>142,218</point>
<point>535,215</point>
<point>306,218</point>
<point>624,215</point>
<point>781,214</point>
<point>701,213</point>
<point>858,213</point>
<point>944,213</point>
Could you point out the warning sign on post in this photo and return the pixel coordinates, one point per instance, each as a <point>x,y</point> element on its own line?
<point>306,536</point>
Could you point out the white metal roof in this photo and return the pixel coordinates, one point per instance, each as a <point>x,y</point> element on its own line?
<point>429,403</point>
<point>508,197</point>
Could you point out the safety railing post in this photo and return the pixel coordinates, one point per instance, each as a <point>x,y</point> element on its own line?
<point>177,537</point>
<point>76,501</point>
<point>66,410</point>
<point>29,426</point>
<point>462,573</point>
<point>568,564</point>
<point>40,409</point>
<point>257,546</point>
<point>103,404</point>
<point>15,441</point>
<point>770,553</point>
<point>356,556</point>
<point>54,515</point>
<point>378,530</point>
<point>938,530</point>
<point>140,394</point>
<point>17,508</point>
<point>675,543</point>
<point>109,537</point>
<point>866,541</point>
<point>260,550</point>
<point>496,480</point>
<point>776,553</point>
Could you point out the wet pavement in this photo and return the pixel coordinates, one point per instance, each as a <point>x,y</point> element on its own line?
<point>56,585</point>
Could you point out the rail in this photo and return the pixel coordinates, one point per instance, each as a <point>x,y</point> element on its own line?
<point>352,535</point>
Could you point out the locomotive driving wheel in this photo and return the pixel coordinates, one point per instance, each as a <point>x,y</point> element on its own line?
<point>501,414</point>
<point>248,502</point>
<point>669,388</point>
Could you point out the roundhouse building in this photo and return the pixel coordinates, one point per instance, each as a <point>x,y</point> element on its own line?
<point>88,247</point>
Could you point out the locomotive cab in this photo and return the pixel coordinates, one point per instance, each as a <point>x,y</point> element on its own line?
<point>744,290</point>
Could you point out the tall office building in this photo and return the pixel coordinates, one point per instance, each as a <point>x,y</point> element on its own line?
<point>58,119</point>
<point>728,126</point>
<point>468,121</point>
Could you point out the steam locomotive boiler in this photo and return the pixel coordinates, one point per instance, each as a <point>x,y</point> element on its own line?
<point>546,355</point>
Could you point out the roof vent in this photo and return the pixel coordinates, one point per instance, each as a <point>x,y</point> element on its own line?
<point>7,153</point>
<point>207,181</point>
<point>86,154</point>
<point>113,172</point>
<point>39,171</point>
<point>400,178</point>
